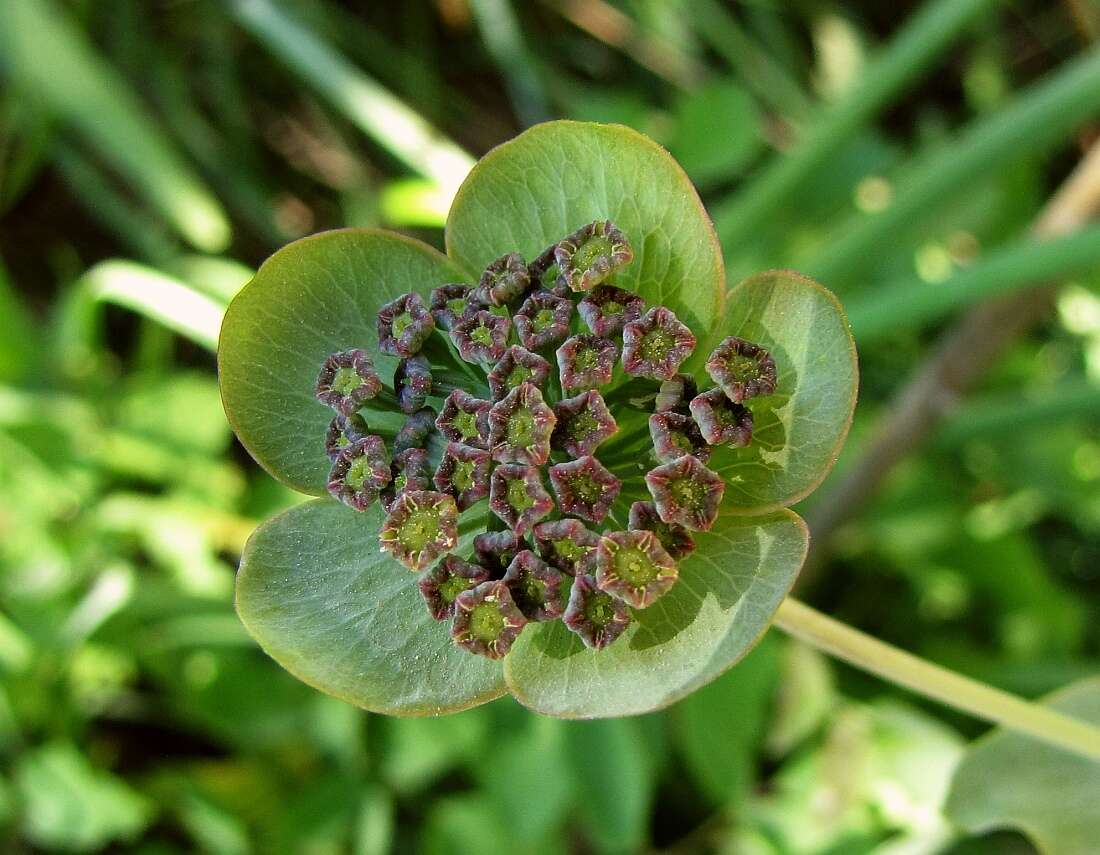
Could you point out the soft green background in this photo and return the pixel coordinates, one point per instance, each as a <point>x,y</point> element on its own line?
<point>153,155</point>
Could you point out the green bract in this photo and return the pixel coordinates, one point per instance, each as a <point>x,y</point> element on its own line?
<point>325,601</point>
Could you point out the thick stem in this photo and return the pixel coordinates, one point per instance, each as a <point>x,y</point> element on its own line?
<point>932,681</point>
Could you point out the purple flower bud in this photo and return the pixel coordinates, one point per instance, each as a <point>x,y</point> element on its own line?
<point>586,361</point>
<point>676,539</point>
<point>463,473</point>
<point>347,380</point>
<point>518,365</point>
<point>443,583</point>
<point>656,344</point>
<point>411,470</point>
<point>567,545</point>
<point>607,309</point>
<point>487,620</point>
<point>543,320</point>
<point>536,587</point>
<point>520,425</point>
<point>404,325</point>
<point>517,496</point>
<point>686,492</point>
<point>361,470</point>
<point>634,567</point>
<point>720,420</point>
<point>584,421</point>
<point>584,488</point>
<point>422,526</point>
<point>591,254</point>
<point>597,617</point>
<point>451,304</point>
<point>415,431</point>
<point>505,279</point>
<point>545,273</point>
<point>743,369</point>
<point>482,337</point>
<point>342,432</point>
<point>495,550</point>
<point>412,381</point>
<point>676,393</point>
<point>465,419</point>
<point>675,434</point>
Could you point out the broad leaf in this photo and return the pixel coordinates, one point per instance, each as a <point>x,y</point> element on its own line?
<point>728,591</point>
<point>1009,780</point>
<point>798,431</point>
<point>315,296</point>
<point>535,189</point>
<point>329,606</point>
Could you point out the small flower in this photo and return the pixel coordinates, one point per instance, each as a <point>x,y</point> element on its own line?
<point>584,488</point>
<point>520,425</point>
<point>415,431</point>
<point>543,320</point>
<point>585,361</point>
<point>545,273</point>
<point>504,280</point>
<point>482,337</point>
<point>518,365</point>
<point>360,472</point>
<point>422,526</point>
<point>517,496</point>
<point>584,421</point>
<point>496,549</point>
<point>465,419</point>
<point>675,434</point>
<point>411,470</point>
<point>443,583</point>
<point>412,381</point>
<point>451,304</point>
<point>607,309</point>
<point>404,325</point>
<point>347,381</point>
<point>487,620</point>
<point>536,587</point>
<point>743,369</point>
<point>567,545</point>
<point>597,617</point>
<point>591,254</point>
<point>720,420</point>
<point>676,539</point>
<point>463,473</point>
<point>686,492</point>
<point>633,566</point>
<point>342,432</point>
<point>676,393</point>
<point>656,344</point>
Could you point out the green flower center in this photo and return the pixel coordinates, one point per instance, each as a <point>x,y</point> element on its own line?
<point>688,493</point>
<point>520,374</point>
<point>457,306</point>
<point>466,424</point>
<point>634,567</point>
<point>543,320</point>
<point>656,345</point>
<point>586,488</point>
<point>550,276</point>
<point>346,381</point>
<point>590,251</point>
<point>420,529</point>
<point>454,586</point>
<point>517,496</point>
<point>486,622</point>
<point>585,359</point>
<point>482,335</point>
<point>570,550</point>
<point>401,323</point>
<point>726,415</point>
<point>743,367</point>
<point>521,428</point>
<point>613,308</point>
<point>357,474</point>
<point>463,476</point>
<point>681,441</point>
<point>583,424</point>
<point>599,610</point>
<point>531,593</point>
<point>399,482</point>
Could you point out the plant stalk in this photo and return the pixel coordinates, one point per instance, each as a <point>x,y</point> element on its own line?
<point>940,684</point>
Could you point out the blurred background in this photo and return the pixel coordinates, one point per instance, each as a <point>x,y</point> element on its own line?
<point>152,154</point>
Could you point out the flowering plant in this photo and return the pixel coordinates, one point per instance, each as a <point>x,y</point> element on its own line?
<point>555,462</point>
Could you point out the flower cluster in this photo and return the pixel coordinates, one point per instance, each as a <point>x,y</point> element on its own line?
<point>534,432</point>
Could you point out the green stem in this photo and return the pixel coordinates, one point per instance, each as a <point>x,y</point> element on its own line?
<point>932,681</point>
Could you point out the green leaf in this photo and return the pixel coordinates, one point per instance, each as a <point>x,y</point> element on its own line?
<point>729,588</point>
<point>535,189</point>
<point>717,131</point>
<point>315,296</point>
<point>798,431</point>
<point>1009,780</point>
<point>325,603</point>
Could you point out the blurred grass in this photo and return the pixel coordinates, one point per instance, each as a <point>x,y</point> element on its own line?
<point>898,158</point>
